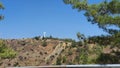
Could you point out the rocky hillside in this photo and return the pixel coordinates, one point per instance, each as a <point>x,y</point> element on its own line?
<point>37,52</point>
<point>33,52</point>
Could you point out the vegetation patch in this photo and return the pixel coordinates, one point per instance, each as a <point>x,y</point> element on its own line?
<point>5,51</point>
<point>44,43</point>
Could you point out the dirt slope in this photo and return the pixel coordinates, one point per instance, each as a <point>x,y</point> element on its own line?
<point>30,52</point>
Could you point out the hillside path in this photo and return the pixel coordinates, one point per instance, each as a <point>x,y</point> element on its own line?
<point>56,52</point>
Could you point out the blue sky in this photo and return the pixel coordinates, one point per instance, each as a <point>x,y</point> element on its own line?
<point>29,18</point>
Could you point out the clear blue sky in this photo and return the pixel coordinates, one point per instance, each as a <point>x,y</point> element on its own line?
<point>29,18</point>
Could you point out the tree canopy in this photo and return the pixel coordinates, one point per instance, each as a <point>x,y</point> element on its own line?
<point>80,36</point>
<point>104,14</point>
<point>1,7</point>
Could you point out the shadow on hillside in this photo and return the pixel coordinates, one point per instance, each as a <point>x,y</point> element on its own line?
<point>112,58</point>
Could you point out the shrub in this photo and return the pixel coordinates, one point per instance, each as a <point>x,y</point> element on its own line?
<point>56,53</point>
<point>37,37</point>
<point>82,58</point>
<point>44,44</point>
<point>2,47</point>
<point>58,61</point>
<point>9,53</point>
<point>79,43</point>
<point>68,40</point>
<point>78,49</point>
<point>6,52</point>
<point>107,59</point>
<point>41,53</point>
<point>73,44</point>
<point>64,59</point>
<point>20,58</point>
<point>22,43</point>
<point>45,52</point>
<point>70,53</point>
<point>16,64</point>
<point>54,47</point>
<point>77,58</point>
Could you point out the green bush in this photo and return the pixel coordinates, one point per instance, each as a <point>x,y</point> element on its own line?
<point>78,49</point>
<point>58,61</point>
<point>79,43</point>
<point>44,44</point>
<point>84,56</point>
<point>16,64</point>
<point>37,37</point>
<point>6,52</point>
<point>64,59</point>
<point>2,47</point>
<point>70,53</point>
<point>73,44</point>
<point>107,59</point>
